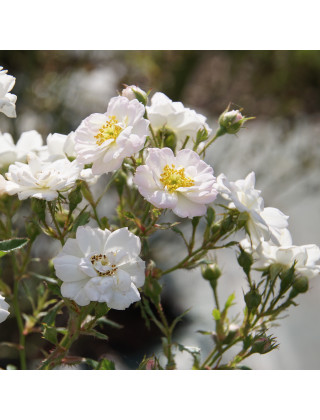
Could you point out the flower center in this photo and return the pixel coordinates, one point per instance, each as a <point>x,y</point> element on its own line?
<point>110,130</point>
<point>173,178</point>
<point>102,265</point>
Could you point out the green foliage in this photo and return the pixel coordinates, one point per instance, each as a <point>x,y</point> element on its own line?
<point>13,244</point>
<point>74,198</point>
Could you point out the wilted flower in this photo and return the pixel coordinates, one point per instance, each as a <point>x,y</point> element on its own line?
<point>267,223</point>
<point>29,141</point>
<point>41,179</point>
<point>101,266</point>
<point>7,100</point>
<point>4,313</point>
<point>183,183</point>
<point>134,92</point>
<point>106,139</point>
<point>183,122</point>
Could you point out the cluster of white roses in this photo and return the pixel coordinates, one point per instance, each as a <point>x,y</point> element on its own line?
<point>105,266</point>
<point>268,238</point>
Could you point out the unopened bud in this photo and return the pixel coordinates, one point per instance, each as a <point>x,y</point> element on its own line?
<point>211,272</point>
<point>134,92</point>
<point>170,139</point>
<point>62,217</point>
<point>232,121</point>
<point>300,285</point>
<point>262,345</point>
<point>252,299</point>
<point>245,261</point>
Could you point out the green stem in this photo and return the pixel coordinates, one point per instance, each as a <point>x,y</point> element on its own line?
<point>182,263</point>
<point>215,293</point>
<point>107,186</point>
<point>22,339</point>
<point>51,210</point>
<point>220,132</point>
<point>96,217</point>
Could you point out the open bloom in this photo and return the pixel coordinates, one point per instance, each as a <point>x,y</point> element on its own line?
<point>106,139</point>
<point>266,223</point>
<point>29,141</point>
<point>4,313</point>
<point>304,257</point>
<point>7,100</point>
<point>60,146</point>
<point>183,183</point>
<point>41,179</point>
<point>183,122</point>
<point>101,266</point>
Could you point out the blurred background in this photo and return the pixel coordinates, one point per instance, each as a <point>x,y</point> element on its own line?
<point>57,89</point>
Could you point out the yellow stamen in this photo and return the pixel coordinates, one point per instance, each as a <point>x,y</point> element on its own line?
<point>173,178</point>
<point>110,130</point>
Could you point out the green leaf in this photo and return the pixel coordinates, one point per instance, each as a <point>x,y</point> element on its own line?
<point>211,214</point>
<point>81,220</point>
<point>50,333</point>
<point>152,289</point>
<point>178,319</point>
<point>52,283</point>
<point>106,364</point>
<point>216,314</point>
<point>103,364</point>
<point>104,320</point>
<point>51,315</point>
<point>96,334</point>
<point>9,245</point>
<point>152,316</point>
<point>205,332</point>
<point>101,309</point>
<point>195,353</point>
<point>229,301</point>
<point>92,363</point>
<point>39,208</point>
<point>75,198</point>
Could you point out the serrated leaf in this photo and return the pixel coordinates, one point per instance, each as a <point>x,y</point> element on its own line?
<point>13,244</point>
